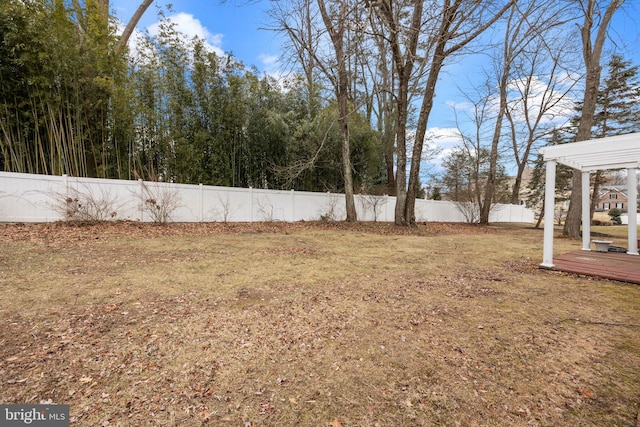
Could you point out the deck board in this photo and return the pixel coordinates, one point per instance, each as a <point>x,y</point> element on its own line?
<point>607,265</point>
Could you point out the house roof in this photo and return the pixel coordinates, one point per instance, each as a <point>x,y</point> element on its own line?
<point>611,189</point>
<point>613,152</point>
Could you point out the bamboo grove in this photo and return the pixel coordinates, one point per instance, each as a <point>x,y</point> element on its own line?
<point>72,103</point>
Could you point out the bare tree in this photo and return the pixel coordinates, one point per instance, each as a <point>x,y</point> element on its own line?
<point>373,202</point>
<point>379,70</point>
<point>447,27</point>
<point>403,36</point>
<point>541,86</point>
<point>593,31</point>
<point>335,21</point>
<point>525,29</point>
<point>297,21</point>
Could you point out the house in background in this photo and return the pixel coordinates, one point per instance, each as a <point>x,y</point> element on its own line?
<point>612,197</point>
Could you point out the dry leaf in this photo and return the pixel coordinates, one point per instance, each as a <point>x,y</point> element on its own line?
<point>586,393</point>
<point>85,380</point>
<point>336,423</point>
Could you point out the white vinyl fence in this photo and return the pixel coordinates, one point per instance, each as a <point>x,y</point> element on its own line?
<point>44,198</point>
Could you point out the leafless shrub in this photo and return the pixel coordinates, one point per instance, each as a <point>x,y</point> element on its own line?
<point>87,204</point>
<point>331,214</point>
<point>373,203</point>
<point>470,211</point>
<point>159,200</point>
<point>265,209</point>
<point>560,214</point>
<point>225,211</point>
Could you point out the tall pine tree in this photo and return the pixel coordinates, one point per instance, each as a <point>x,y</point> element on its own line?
<point>617,109</point>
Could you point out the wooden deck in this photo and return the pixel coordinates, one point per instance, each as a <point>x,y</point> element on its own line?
<point>608,265</point>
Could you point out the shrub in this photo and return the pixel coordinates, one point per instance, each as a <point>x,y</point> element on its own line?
<point>159,200</point>
<point>86,204</point>
<point>615,215</point>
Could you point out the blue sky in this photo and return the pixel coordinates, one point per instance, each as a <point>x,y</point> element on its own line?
<point>237,26</point>
<point>232,26</point>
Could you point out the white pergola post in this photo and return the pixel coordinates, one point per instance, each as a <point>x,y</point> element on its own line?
<point>549,208</point>
<point>586,213</point>
<point>632,211</point>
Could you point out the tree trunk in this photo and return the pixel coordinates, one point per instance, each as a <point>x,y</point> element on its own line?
<point>592,63</point>
<point>452,11</point>
<point>489,191</point>
<point>346,150</point>
<point>341,86</point>
<point>128,30</point>
<point>515,193</point>
<point>541,216</point>
<point>389,149</point>
<point>597,180</point>
<point>423,119</point>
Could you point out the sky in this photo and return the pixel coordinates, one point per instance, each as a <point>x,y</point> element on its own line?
<point>239,27</point>
<point>231,26</point>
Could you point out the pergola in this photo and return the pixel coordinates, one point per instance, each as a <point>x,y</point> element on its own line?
<point>616,152</point>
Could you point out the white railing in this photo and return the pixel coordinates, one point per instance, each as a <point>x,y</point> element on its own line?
<point>44,198</point>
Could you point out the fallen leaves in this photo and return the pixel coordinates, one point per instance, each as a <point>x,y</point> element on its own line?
<point>416,343</point>
<point>58,233</point>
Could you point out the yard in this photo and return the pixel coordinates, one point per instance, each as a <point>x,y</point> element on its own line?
<point>312,324</point>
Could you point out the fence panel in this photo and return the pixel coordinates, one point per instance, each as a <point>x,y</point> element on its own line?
<point>43,198</point>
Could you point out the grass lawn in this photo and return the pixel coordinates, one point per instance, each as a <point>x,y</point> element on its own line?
<point>312,324</point>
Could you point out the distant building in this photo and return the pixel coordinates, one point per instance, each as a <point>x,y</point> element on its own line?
<point>612,197</point>
<point>523,193</point>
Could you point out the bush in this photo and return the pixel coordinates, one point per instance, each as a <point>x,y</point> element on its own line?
<point>159,200</point>
<point>615,215</point>
<point>87,204</point>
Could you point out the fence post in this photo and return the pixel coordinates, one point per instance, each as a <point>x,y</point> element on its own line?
<point>250,204</point>
<point>293,206</point>
<point>201,192</point>
<point>65,180</point>
<point>141,199</point>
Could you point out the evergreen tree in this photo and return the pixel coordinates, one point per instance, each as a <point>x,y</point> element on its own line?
<point>466,174</point>
<point>617,111</point>
<point>618,101</point>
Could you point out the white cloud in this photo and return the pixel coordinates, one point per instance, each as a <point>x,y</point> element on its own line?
<point>555,106</point>
<point>271,67</point>
<point>191,27</point>
<point>269,60</point>
<point>441,142</point>
<point>438,143</point>
<point>459,106</point>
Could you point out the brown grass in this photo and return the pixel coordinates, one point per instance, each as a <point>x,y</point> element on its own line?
<point>312,325</point>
